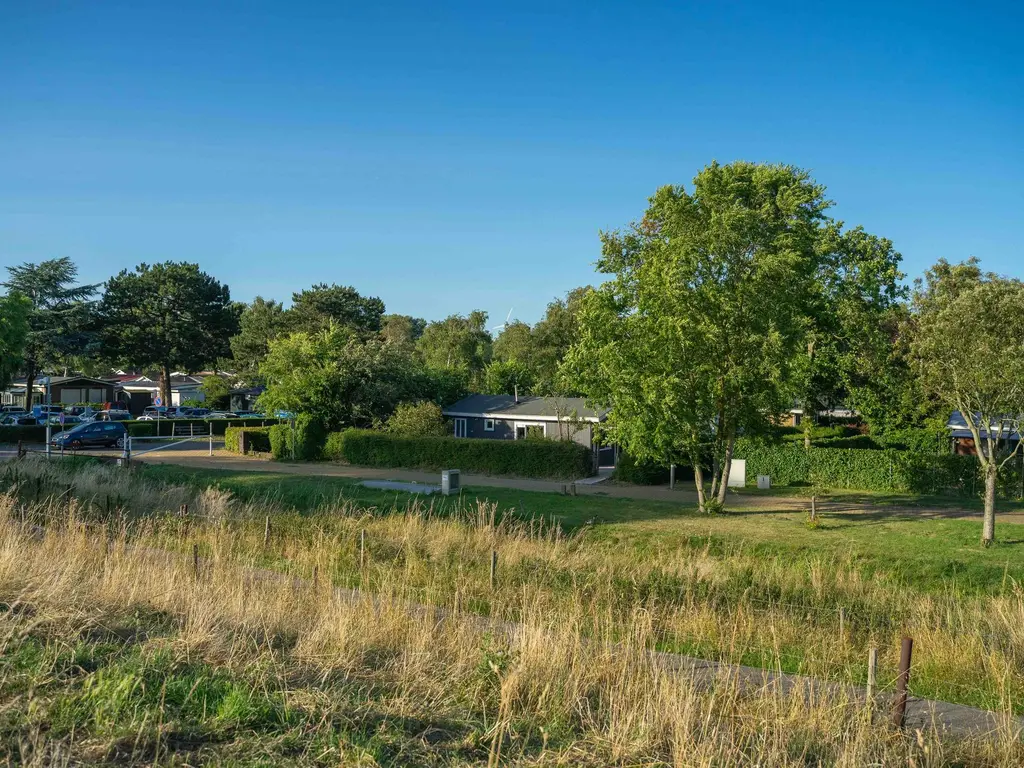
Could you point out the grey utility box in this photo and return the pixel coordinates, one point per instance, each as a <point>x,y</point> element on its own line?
<point>764,482</point>
<point>450,482</point>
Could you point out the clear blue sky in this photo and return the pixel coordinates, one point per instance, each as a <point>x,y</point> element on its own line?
<point>447,157</point>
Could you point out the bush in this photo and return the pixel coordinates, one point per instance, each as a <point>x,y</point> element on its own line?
<point>334,446</point>
<point>886,471</point>
<point>28,434</point>
<point>281,441</point>
<point>423,419</point>
<point>257,438</point>
<point>560,459</point>
<point>309,437</point>
<point>639,473</point>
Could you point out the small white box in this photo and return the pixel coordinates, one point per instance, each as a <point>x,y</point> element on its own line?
<point>738,473</point>
<point>764,482</point>
<point>450,482</point>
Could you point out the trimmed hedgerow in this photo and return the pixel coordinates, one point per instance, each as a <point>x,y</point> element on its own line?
<point>887,471</point>
<point>258,439</point>
<point>281,441</point>
<point>628,470</point>
<point>558,459</point>
<point>309,437</point>
<point>334,446</point>
<point>28,433</point>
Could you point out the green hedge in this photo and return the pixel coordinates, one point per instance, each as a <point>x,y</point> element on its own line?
<point>309,438</point>
<point>558,459</point>
<point>887,471</point>
<point>281,441</point>
<point>258,439</point>
<point>334,447</point>
<point>28,434</point>
<point>202,426</point>
<point>639,473</point>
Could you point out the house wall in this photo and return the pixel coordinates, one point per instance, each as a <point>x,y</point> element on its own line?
<point>505,429</point>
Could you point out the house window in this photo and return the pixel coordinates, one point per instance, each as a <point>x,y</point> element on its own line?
<point>460,427</point>
<point>488,425</point>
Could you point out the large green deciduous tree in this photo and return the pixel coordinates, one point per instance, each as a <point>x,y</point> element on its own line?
<point>323,305</point>
<point>695,338</point>
<point>337,377</point>
<point>855,286</point>
<point>14,330</point>
<point>457,343</point>
<point>552,337</point>
<point>402,330</point>
<point>261,322</point>
<point>171,315</point>
<point>60,315</point>
<point>969,346</point>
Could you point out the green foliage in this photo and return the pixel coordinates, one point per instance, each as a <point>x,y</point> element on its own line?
<point>457,343</point>
<point>309,437</point>
<point>695,338</point>
<point>216,389</point>
<point>402,330</point>
<point>423,419</point>
<point>559,459</point>
<point>324,306</point>
<point>60,316</point>
<point>887,471</point>
<point>257,438</point>
<point>629,470</point>
<point>281,444</point>
<point>334,446</point>
<point>260,323</point>
<point>169,315</point>
<point>14,328</point>
<point>27,434</point>
<point>504,377</point>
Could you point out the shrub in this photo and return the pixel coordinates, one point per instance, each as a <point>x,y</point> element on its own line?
<point>423,419</point>
<point>309,437</point>
<point>28,434</point>
<point>257,439</point>
<point>281,441</point>
<point>887,471</point>
<point>334,446</point>
<point>559,459</point>
<point>629,470</point>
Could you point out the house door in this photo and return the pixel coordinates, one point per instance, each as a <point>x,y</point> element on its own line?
<point>460,427</point>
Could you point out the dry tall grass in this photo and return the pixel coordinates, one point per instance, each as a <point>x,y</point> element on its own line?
<point>576,683</point>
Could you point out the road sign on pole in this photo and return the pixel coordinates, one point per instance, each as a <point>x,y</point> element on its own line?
<point>158,401</point>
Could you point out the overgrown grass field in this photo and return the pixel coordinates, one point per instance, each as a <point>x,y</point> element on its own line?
<point>113,649</point>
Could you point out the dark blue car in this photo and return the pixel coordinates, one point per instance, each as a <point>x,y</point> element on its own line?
<point>99,434</point>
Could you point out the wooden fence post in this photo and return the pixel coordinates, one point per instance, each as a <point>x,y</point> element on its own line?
<point>362,549</point>
<point>195,561</point>
<point>266,532</point>
<point>494,568</point>
<point>872,676</point>
<point>814,508</point>
<point>899,708</point>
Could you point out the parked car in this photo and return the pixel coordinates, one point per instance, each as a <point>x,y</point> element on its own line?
<point>151,412</point>
<point>198,413</point>
<point>68,419</point>
<point>7,410</point>
<point>219,415</point>
<point>40,410</point>
<point>113,415</point>
<point>18,420</point>
<point>98,434</point>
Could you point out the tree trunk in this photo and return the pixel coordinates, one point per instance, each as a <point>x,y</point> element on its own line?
<point>723,485</point>
<point>698,479</point>
<point>807,431</point>
<point>30,379</point>
<point>165,384</point>
<point>988,529</point>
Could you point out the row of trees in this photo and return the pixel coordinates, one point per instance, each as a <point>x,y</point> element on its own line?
<point>333,352</point>
<point>728,303</point>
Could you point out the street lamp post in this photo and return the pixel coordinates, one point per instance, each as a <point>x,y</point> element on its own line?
<point>46,415</point>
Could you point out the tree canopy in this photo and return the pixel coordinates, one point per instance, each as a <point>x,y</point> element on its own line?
<point>170,315</point>
<point>322,305</point>
<point>260,322</point>
<point>695,338</point>
<point>458,342</point>
<point>969,350</point>
<point>14,330</point>
<point>60,314</point>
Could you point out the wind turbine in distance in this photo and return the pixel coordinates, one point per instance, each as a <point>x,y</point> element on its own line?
<point>507,318</point>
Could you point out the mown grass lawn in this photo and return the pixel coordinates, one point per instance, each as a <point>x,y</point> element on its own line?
<point>928,552</point>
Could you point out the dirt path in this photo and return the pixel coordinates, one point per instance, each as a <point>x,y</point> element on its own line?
<point>199,458</point>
